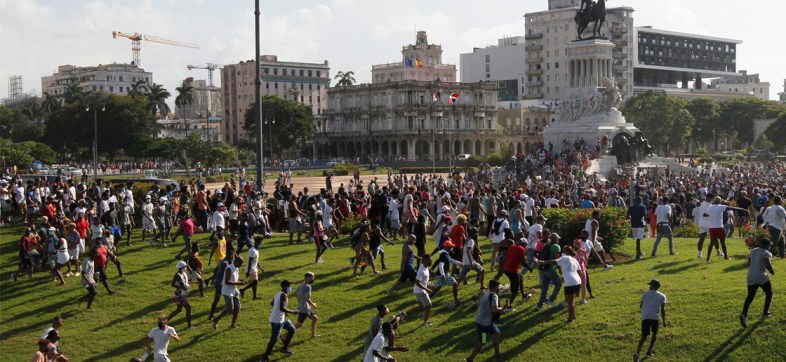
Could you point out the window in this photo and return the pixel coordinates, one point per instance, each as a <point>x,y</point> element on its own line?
<point>556,64</point>
<point>121,89</point>
<point>309,73</point>
<point>319,74</point>
<point>488,58</point>
<point>121,79</point>
<point>284,71</point>
<point>111,88</point>
<point>275,71</point>
<point>301,72</point>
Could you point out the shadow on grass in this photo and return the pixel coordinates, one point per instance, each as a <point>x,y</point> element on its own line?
<point>35,328</point>
<point>672,267</point>
<point>735,267</point>
<point>138,314</point>
<point>732,343</point>
<point>125,350</point>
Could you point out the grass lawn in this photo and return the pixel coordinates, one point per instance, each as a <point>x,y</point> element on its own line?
<point>704,302</point>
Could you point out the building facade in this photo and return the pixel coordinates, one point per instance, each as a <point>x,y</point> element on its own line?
<point>782,95</point>
<point>111,78</point>
<point>420,61</point>
<point>743,83</point>
<point>502,63</point>
<point>207,101</point>
<point>412,120</point>
<point>306,83</point>
<point>209,129</point>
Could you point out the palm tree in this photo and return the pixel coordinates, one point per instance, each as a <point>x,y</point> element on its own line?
<point>51,103</point>
<point>156,99</point>
<point>74,93</point>
<point>345,78</point>
<point>185,96</point>
<point>138,89</point>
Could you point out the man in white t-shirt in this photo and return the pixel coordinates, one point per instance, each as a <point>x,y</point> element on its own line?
<point>663,216</point>
<point>230,292</point>
<point>160,337</point>
<point>535,233</point>
<point>775,217</point>
<point>421,291</point>
<point>497,235</point>
<point>702,222</point>
<point>717,232</point>
<point>653,304</point>
<point>393,214</point>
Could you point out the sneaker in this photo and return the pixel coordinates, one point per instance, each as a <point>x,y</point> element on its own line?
<point>718,253</point>
<point>213,322</point>
<point>164,245</point>
<point>13,275</point>
<point>425,324</point>
<point>650,353</point>
<point>551,303</point>
<point>766,315</point>
<point>402,316</point>
<point>743,320</point>
<point>636,357</point>
<point>320,261</point>
<point>287,351</point>
<point>674,253</point>
<point>527,297</point>
<point>151,242</point>
<point>608,266</point>
<point>700,256</point>
<point>564,303</point>
<point>584,301</point>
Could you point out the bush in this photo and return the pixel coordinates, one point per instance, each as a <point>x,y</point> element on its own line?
<point>701,151</point>
<point>752,235</point>
<point>613,225</point>
<point>688,230</point>
<point>349,225</point>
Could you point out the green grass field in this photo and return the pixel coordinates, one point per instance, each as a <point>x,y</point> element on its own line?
<point>705,300</point>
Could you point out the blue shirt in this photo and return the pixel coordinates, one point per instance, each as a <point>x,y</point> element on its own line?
<point>637,214</point>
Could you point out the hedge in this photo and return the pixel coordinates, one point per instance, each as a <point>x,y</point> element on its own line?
<point>428,169</point>
<point>614,226</point>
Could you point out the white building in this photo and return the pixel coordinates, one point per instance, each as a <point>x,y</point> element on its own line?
<point>111,78</point>
<point>210,129</point>
<point>420,61</point>
<point>502,63</point>
<point>207,101</point>
<point>306,83</point>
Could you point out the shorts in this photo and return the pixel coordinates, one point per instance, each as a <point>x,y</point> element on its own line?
<point>377,250</point>
<point>253,276</point>
<point>485,332</point>
<point>232,303</point>
<point>74,253</point>
<point>638,233</point>
<point>181,300</point>
<point>63,257</point>
<point>597,246</point>
<point>514,282</point>
<point>717,233</point>
<point>331,229</point>
<point>148,224</point>
<point>81,246</point>
<point>572,289</point>
<point>466,268</point>
<point>407,275</point>
<point>648,325</point>
<point>395,224</point>
<point>295,226</point>
<point>447,280</point>
<point>24,262</point>
<point>301,317</point>
<point>194,275</point>
<point>423,299</point>
<point>101,274</point>
<point>703,230</point>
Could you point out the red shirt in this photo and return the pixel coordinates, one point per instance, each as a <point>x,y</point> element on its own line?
<point>26,245</point>
<point>457,236</point>
<point>188,227</point>
<point>513,258</point>
<point>100,258</point>
<point>82,226</point>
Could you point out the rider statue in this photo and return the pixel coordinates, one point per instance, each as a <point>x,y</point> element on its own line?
<point>586,5</point>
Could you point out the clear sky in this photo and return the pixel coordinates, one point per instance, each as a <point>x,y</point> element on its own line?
<point>38,35</point>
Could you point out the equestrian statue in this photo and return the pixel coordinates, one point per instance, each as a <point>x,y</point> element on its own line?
<point>590,11</point>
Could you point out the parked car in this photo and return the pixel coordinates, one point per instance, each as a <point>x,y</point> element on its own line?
<point>463,156</point>
<point>732,154</point>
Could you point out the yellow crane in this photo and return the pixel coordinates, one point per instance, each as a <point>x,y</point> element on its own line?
<point>210,68</point>
<point>136,43</point>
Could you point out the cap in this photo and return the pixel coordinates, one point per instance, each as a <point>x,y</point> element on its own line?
<point>162,199</point>
<point>218,192</point>
<point>285,283</point>
<point>147,197</point>
<point>449,244</point>
<point>655,283</point>
<point>220,204</point>
<point>503,212</point>
<point>181,264</point>
<point>445,208</point>
<point>523,197</point>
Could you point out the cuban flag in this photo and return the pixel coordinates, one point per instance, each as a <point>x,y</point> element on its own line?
<point>453,98</point>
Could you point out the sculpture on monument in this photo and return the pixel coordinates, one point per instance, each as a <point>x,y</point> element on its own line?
<point>587,102</point>
<point>631,149</point>
<point>588,12</point>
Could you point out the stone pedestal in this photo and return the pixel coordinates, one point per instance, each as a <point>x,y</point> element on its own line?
<point>590,128</point>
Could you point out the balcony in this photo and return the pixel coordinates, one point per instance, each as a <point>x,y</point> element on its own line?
<point>535,96</point>
<point>619,55</point>
<point>619,29</point>
<point>618,68</point>
<point>620,42</point>
<point>533,36</point>
<point>534,60</point>
<point>534,84</point>
<point>622,81</point>
<point>534,48</point>
<point>535,72</point>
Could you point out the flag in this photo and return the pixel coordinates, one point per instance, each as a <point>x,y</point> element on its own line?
<point>418,63</point>
<point>408,62</point>
<point>453,98</point>
<point>434,98</point>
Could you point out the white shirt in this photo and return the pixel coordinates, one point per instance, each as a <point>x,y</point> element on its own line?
<point>698,215</point>
<point>497,238</point>
<point>423,275</point>
<point>775,215</point>
<point>378,344</point>
<point>588,228</point>
<point>716,215</point>
<point>327,216</point>
<point>533,235</point>
<point>528,206</point>
<point>217,220</point>
<point>253,258</point>
<point>468,245</point>
<point>663,213</point>
<point>230,290</point>
<point>393,208</point>
<point>276,315</point>
<point>570,270</point>
<point>161,340</point>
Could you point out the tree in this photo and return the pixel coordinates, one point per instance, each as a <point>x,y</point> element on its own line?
<point>19,122</point>
<point>706,113</point>
<point>294,123</point>
<point>138,88</point>
<point>738,115</point>
<point>763,143</point>
<point>51,103</point>
<point>663,119</point>
<point>185,96</point>
<point>776,134</point>
<point>74,92</point>
<point>345,78</point>
<point>156,100</point>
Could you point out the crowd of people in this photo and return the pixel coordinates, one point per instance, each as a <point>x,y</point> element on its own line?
<point>74,228</point>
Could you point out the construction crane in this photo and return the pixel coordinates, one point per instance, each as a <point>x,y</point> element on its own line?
<point>210,68</point>
<point>136,43</point>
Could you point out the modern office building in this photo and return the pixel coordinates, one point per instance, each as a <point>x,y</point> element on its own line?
<point>420,61</point>
<point>502,63</point>
<point>306,83</point>
<point>111,78</point>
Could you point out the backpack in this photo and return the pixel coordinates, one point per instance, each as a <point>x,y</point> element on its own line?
<point>497,225</point>
<point>355,239</point>
<point>545,254</point>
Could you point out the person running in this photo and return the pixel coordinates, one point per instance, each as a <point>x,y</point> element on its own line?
<point>101,257</point>
<point>570,272</point>
<point>254,267</point>
<point>376,325</point>
<point>514,258</point>
<point>180,283</point>
<point>407,268</point>
<point>72,241</point>
<point>592,226</point>
<point>230,292</point>
<point>305,304</point>
<point>636,213</point>
<point>88,270</point>
<point>148,222</point>
<point>362,255</point>
<point>443,272</point>
<point>469,259</point>
<point>278,321</point>
<point>422,291</point>
<point>652,301</point>
<point>26,245</point>
<point>195,268</point>
<point>702,222</point>
<point>548,273</point>
<point>218,278</point>
<point>319,237</point>
<point>717,231</point>
<point>759,263</point>
<point>775,218</point>
<point>663,215</point>
<point>382,344</point>
<point>187,230</point>
<point>486,319</point>
<point>498,235</point>
<point>160,337</point>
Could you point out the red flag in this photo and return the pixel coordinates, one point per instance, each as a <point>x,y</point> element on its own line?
<point>453,98</point>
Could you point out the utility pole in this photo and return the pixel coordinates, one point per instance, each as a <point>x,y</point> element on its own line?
<point>258,104</point>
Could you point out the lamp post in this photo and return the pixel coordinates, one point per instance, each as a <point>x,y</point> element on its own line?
<point>270,134</point>
<point>95,139</point>
<point>258,103</point>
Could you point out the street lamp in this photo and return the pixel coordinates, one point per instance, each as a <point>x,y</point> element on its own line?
<point>270,134</point>
<point>95,139</point>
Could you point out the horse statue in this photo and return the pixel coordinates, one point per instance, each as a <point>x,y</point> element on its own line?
<point>591,12</point>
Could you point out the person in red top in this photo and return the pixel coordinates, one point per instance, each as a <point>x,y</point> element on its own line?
<point>26,245</point>
<point>458,235</point>
<point>49,209</point>
<point>82,227</point>
<point>514,258</point>
<point>187,230</point>
<point>100,259</point>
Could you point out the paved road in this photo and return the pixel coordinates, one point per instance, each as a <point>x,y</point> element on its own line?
<point>317,182</point>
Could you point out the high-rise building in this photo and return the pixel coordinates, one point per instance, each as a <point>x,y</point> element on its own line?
<point>502,63</point>
<point>420,61</point>
<point>111,78</point>
<point>306,83</point>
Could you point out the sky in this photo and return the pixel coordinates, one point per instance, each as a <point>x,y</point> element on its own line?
<point>36,36</point>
